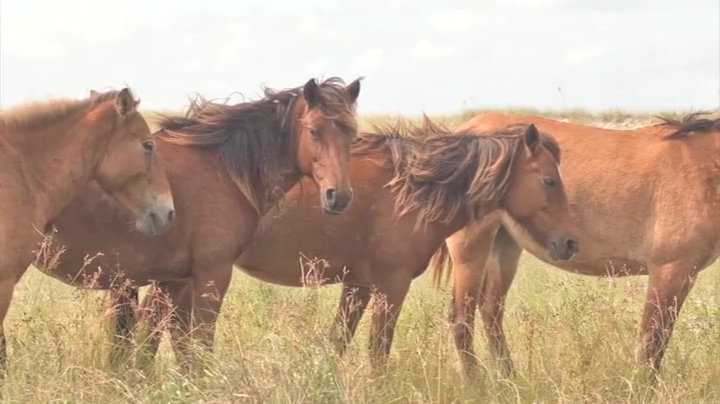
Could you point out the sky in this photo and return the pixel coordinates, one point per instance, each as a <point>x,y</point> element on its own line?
<point>417,56</point>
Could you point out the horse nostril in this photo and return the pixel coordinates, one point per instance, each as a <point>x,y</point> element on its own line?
<point>330,195</point>
<point>572,245</point>
<point>171,216</point>
<point>154,218</point>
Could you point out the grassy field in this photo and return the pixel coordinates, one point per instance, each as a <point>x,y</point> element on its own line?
<point>572,337</point>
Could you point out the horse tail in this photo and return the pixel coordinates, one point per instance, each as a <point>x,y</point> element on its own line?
<point>441,265</point>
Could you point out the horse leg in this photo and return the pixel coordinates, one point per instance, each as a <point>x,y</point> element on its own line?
<point>469,251</point>
<point>123,302</point>
<point>12,267</point>
<point>180,296</point>
<point>198,304</point>
<point>387,301</point>
<point>154,315</point>
<point>7,286</point>
<point>499,273</point>
<point>668,287</point>
<point>353,301</point>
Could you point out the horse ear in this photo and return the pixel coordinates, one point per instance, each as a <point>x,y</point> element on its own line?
<point>125,103</point>
<point>94,94</point>
<point>311,92</point>
<point>353,90</point>
<point>532,139</point>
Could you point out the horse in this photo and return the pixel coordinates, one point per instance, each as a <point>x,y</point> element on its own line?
<point>647,202</point>
<point>227,165</point>
<point>415,187</point>
<point>49,151</point>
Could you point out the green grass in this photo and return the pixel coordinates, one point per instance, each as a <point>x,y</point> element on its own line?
<point>572,338</point>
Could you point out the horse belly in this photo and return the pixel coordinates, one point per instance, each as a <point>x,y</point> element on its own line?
<point>612,267</point>
<point>98,257</point>
<point>292,268</point>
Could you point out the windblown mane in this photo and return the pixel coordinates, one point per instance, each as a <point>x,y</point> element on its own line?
<point>34,115</point>
<point>254,138</point>
<point>439,174</point>
<point>690,123</point>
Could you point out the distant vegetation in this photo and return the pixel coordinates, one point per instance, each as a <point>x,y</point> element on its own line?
<point>612,118</point>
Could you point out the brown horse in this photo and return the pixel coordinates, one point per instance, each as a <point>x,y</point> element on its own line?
<point>647,202</point>
<point>227,164</point>
<point>49,151</point>
<point>412,193</point>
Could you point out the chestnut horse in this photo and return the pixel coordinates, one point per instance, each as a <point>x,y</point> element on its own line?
<point>49,151</point>
<point>227,165</point>
<point>647,202</point>
<point>411,193</point>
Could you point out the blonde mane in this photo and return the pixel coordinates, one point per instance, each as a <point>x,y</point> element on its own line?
<point>34,115</point>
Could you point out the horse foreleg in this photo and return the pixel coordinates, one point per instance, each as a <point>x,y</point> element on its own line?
<point>387,301</point>
<point>7,286</point>
<point>123,302</point>
<point>12,267</point>
<point>668,287</point>
<point>469,251</point>
<point>208,294</point>
<point>353,301</point>
<point>155,313</point>
<point>499,273</point>
<point>180,296</point>
<point>197,306</point>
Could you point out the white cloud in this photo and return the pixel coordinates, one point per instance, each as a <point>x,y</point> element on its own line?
<point>166,49</point>
<point>454,20</point>
<point>312,25</point>
<point>427,50</point>
<point>368,62</point>
<point>530,3</point>
<point>58,28</point>
<point>318,67</point>
<point>585,55</point>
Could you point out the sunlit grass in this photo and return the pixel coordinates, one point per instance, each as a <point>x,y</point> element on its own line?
<point>572,337</point>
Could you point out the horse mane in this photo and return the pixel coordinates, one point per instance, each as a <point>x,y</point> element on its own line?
<point>253,138</point>
<point>36,114</point>
<point>689,124</point>
<point>439,174</point>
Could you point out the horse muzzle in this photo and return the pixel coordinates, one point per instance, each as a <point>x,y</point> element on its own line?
<point>157,218</point>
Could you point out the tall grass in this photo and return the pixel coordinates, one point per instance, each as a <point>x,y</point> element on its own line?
<point>572,338</point>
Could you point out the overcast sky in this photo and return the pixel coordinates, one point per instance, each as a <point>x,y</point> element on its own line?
<point>431,56</point>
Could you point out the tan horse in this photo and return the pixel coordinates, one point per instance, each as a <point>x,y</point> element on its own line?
<point>49,151</point>
<point>411,193</point>
<point>227,164</point>
<point>647,201</point>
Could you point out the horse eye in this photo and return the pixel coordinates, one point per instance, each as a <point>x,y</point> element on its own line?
<point>549,181</point>
<point>148,145</point>
<point>314,133</point>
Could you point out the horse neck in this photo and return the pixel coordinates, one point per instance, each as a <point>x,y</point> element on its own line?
<point>489,212</point>
<point>482,211</point>
<point>59,160</point>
